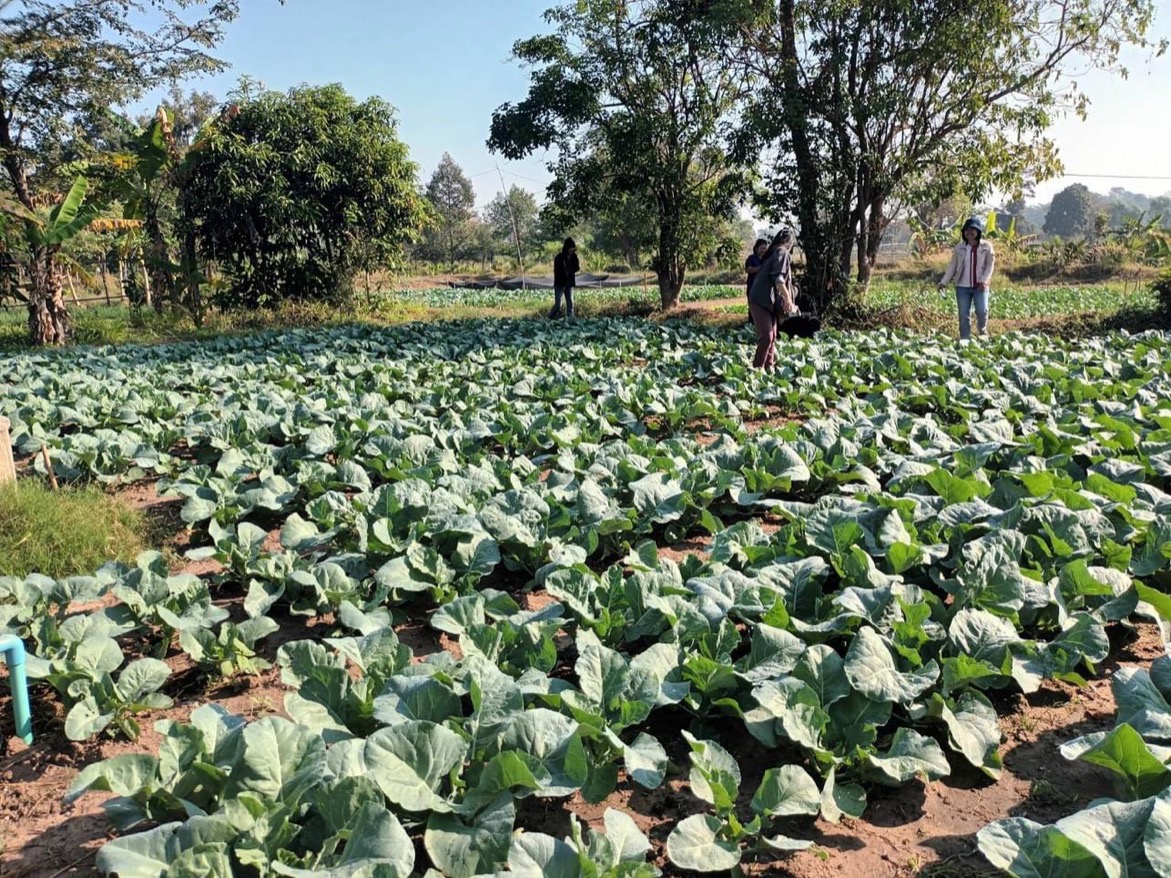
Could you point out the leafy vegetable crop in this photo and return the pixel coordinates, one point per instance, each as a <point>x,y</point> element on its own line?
<point>1127,836</point>
<point>895,530</point>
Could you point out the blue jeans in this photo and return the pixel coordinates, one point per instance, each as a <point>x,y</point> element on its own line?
<point>966,297</point>
<point>558,292</point>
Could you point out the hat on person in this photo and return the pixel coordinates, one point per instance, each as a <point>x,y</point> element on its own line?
<point>974,222</point>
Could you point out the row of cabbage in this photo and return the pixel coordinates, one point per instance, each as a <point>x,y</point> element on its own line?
<point>1017,302</point>
<point>646,293</point>
<point>1130,835</point>
<point>1009,301</point>
<point>956,522</point>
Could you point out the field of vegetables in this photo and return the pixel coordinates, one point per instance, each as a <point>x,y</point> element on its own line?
<point>1009,301</point>
<point>506,573</point>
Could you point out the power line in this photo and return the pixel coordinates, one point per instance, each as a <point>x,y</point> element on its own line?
<point>523,177</point>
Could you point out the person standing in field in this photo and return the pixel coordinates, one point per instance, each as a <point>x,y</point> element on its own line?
<point>565,269</point>
<point>752,265</point>
<point>770,298</point>
<point>971,266</point>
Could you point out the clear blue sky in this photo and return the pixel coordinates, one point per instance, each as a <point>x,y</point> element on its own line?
<point>445,66</point>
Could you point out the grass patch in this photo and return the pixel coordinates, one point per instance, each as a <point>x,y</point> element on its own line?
<point>69,532</point>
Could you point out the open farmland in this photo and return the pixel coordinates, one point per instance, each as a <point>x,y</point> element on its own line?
<point>1009,301</point>
<point>447,582</point>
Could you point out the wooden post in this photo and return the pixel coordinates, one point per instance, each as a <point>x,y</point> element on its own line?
<point>7,466</point>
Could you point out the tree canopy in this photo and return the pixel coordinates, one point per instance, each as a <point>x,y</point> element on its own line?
<point>866,107</point>
<point>290,190</point>
<point>1072,212</point>
<point>452,199</point>
<point>632,95</point>
<point>63,64</point>
<point>512,217</point>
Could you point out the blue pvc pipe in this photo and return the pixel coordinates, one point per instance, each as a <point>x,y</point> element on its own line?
<point>13,649</point>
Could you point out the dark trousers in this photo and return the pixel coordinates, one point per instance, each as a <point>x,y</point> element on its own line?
<point>558,292</point>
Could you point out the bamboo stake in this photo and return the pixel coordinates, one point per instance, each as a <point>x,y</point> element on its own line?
<point>49,468</point>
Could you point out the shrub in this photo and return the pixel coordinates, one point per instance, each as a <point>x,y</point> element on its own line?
<point>1161,286</point>
<point>294,193</point>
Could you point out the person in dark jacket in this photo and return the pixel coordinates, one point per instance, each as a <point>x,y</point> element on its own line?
<point>565,269</point>
<point>752,265</point>
<point>770,298</point>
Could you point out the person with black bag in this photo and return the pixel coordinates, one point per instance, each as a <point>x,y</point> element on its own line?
<point>770,298</point>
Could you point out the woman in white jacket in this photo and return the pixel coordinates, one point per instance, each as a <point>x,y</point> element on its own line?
<point>970,269</point>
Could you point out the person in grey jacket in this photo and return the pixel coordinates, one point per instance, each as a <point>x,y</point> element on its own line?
<point>971,266</point>
<point>770,297</point>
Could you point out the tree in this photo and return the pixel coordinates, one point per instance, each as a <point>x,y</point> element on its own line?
<point>632,95</point>
<point>141,176</point>
<point>1121,211</point>
<point>188,112</point>
<point>452,199</point>
<point>513,220</point>
<point>68,218</point>
<point>626,228</point>
<point>1071,214</point>
<point>1016,207</point>
<point>869,106</point>
<point>291,192</point>
<point>482,242</point>
<point>1161,207</point>
<point>68,60</point>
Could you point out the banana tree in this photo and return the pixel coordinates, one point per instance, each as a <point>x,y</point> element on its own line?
<point>1144,239</point>
<point>140,177</point>
<point>926,239</point>
<point>48,318</point>
<point>1009,239</point>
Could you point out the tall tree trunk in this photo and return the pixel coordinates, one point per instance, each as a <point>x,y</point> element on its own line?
<point>670,285</point>
<point>876,224</point>
<point>669,264</point>
<point>191,278</point>
<point>48,319</point>
<point>158,259</point>
<point>862,232</point>
<point>819,235</point>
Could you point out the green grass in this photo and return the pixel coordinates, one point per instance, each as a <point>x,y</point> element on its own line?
<point>69,532</point>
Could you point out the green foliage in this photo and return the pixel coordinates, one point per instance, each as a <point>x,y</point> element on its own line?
<point>856,109</point>
<point>942,541</point>
<point>1161,287</point>
<point>64,65</point>
<point>1071,214</point>
<point>289,192</point>
<point>67,62</point>
<point>1125,837</point>
<point>632,96</point>
<point>512,217</point>
<point>452,197</point>
<point>66,532</point>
